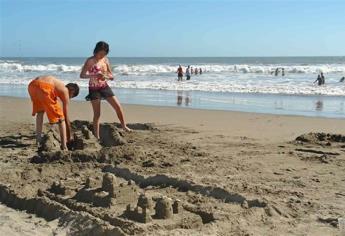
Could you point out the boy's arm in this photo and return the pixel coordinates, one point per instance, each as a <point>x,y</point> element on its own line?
<point>65,103</point>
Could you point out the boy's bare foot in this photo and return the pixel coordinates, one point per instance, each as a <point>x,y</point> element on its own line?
<point>39,139</point>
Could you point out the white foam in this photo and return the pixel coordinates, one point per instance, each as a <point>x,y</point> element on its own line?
<point>18,67</point>
<point>152,69</point>
<point>240,78</point>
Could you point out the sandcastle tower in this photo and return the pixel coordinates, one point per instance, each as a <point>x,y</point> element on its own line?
<point>109,184</point>
<point>142,212</point>
<point>177,207</point>
<point>144,202</point>
<point>90,183</point>
<point>163,208</point>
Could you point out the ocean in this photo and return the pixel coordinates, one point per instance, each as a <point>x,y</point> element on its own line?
<point>244,84</point>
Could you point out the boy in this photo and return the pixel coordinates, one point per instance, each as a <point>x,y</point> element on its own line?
<point>44,91</point>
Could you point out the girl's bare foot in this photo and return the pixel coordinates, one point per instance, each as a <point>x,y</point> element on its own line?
<point>125,128</point>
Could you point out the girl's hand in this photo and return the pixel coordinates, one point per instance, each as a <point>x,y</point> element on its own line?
<point>110,77</point>
<point>101,76</point>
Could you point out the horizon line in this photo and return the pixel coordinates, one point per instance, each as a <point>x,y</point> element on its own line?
<point>164,56</point>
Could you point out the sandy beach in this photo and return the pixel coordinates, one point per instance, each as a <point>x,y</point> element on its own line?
<point>227,173</point>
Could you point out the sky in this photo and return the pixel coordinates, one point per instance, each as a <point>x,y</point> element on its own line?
<point>163,28</point>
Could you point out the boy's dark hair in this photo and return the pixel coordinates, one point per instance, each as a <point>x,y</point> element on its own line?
<point>75,88</point>
<point>101,46</point>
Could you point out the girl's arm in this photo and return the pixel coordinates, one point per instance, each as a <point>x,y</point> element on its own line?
<point>87,65</point>
<point>109,72</point>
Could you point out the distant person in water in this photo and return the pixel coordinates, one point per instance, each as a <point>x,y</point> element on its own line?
<point>276,72</point>
<point>191,70</point>
<point>196,71</point>
<point>97,70</point>
<point>179,73</point>
<point>200,71</point>
<point>342,79</point>
<point>283,72</point>
<point>188,73</point>
<point>323,78</point>
<point>318,80</point>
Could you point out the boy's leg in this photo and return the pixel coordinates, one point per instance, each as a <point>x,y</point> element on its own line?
<point>96,106</point>
<point>117,107</point>
<point>39,126</point>
<point>63,135</point>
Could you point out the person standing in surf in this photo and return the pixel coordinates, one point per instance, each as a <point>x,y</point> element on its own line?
<point>98,70</point>
<point>179,73</point>
<point>188,75</point>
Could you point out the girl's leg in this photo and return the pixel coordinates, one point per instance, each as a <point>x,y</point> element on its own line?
<point>39,126</point>
<point>96,106</point>
<point>117,107</point>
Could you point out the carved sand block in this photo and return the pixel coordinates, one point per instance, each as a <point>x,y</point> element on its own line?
<point>142,212</point>
<point>163,208</point>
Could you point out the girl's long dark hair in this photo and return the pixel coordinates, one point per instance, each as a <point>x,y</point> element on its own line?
<point>101,46</point>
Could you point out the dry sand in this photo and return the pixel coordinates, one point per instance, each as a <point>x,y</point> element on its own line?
<point>191,172</point>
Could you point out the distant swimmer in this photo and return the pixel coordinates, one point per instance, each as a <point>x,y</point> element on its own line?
<point>283,72</point>
<point>196,71</point>
<point>179,73</point>
<point>191,70</point>
<point>276,72</point>
<point>323,78</point>
<point>200,71</point>
<point>188,73</point>
<point>342,79</point>
<point>318,80</point>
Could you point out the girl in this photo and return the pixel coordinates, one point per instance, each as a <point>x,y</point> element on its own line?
<point>98,70</point>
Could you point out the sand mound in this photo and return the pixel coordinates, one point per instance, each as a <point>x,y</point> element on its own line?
<point>110,134</point>
<point>319,147</point>
<point>320,138</point>
<point>85,147</point>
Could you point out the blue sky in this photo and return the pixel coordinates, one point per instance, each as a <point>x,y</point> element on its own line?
<point>172,28</point>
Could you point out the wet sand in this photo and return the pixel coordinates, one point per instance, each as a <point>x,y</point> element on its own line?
<point>234,173</point>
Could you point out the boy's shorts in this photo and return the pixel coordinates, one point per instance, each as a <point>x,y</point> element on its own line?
<point>44,99</point>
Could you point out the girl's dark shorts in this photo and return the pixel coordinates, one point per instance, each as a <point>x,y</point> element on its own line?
<point>102,93</point>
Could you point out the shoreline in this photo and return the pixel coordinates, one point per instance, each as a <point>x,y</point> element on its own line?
<point>297,105</point>
<point>254,125</point>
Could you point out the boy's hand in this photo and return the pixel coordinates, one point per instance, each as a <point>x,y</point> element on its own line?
<point>70,144</point>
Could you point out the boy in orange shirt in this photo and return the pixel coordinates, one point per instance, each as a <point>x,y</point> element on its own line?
<point>44,92</point>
